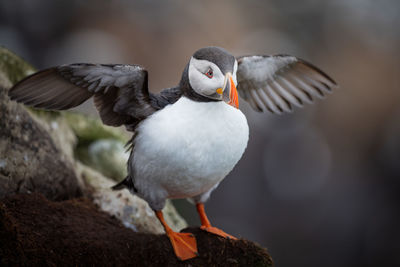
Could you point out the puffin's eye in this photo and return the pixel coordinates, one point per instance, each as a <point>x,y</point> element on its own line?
<point>209,73</point>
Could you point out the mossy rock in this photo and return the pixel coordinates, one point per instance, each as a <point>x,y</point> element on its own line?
<point>13,67</point>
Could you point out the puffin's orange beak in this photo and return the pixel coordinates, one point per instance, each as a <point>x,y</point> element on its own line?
<point>230,92</point>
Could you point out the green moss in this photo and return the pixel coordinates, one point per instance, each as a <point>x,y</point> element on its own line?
<point>98,146</point>
<point>14,67</point>
<point>108,156</point>
<point>47,115</point>
<point>89,129</point>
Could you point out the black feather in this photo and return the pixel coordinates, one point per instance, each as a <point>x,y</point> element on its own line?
<point>126,183</point>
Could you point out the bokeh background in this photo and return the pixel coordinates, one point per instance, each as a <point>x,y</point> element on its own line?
<point>319,187</point>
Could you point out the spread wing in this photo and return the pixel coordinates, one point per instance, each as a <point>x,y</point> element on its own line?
<point>120,92</point>
<point>277,83</point>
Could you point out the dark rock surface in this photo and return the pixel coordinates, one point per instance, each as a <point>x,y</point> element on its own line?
<point>29,159</point>
<point>35,231</point>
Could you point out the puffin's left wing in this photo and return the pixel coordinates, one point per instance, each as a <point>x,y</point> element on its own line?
<point>276,83</point>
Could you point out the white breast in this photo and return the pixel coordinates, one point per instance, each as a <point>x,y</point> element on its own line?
<point>186,148</point>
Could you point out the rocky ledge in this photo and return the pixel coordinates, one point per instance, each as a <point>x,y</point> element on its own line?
<point>36,231</point>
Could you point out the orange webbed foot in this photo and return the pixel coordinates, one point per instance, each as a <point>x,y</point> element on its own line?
<point>206,226</point>
<point>184,245</point>
<point>216,231</point>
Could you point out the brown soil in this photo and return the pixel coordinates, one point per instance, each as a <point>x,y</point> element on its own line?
<point>35,231</point>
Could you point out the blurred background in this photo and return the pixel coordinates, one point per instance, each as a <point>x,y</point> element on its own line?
<point>319,187</point>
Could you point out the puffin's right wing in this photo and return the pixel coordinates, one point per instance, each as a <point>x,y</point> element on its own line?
<point>276,83</point>
<point>120,92</point>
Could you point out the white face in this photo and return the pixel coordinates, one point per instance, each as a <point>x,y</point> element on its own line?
<point>206,78</point>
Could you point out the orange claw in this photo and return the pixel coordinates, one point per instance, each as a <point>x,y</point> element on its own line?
<point>206,226</point>
<point>184,244</point>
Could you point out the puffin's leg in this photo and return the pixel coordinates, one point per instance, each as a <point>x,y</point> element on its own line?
<point>184,244</point>
<point>206,225</point>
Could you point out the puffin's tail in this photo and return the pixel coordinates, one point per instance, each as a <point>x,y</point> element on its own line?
<point>126,183</point>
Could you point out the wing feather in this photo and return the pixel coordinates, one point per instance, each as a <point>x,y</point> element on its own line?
<point>296,90</point>
<point>256,98</point>
<point>120,92</point>
<point>276,83</point>
<point>286,94</point>
<point>282,106</point>
<point>266,99</point>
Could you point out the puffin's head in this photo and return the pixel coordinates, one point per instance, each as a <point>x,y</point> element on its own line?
<point>212,74</point>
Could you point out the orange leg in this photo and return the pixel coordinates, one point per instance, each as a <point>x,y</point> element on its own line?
<point>206,225</point>
<point>184,244</point>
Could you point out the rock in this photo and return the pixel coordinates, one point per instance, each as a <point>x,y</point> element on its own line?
<point>99,146</point>
<point>29,159</point>
<point>12,67</point>
<point>59,129</point>
<point>4,81</point>
<point>86,139</point>
<point>89,129</point>
<point>109,156</point>
<point>35,231</point>
<point>131,210</point>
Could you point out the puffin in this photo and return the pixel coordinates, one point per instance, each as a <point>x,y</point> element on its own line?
<point>188,138</point>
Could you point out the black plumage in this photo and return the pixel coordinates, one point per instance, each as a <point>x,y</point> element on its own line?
<point>219,56</point>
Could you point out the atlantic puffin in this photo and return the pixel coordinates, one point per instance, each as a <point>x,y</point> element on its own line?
<point>186,139</point>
